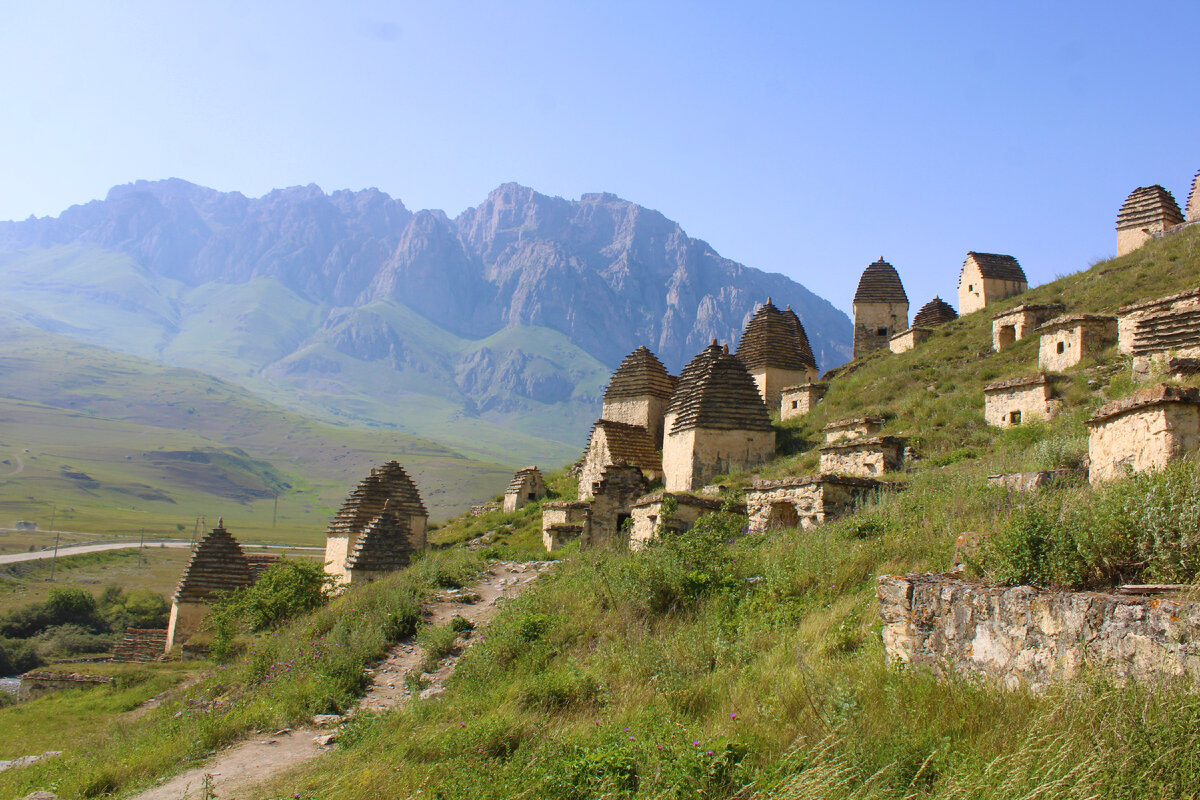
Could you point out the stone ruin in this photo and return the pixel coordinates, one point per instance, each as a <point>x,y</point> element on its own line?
<point>387,487</point>
<point>1010,327</point>
<point>774,349</point>
<point>1067,340</point>
<point>1037,479</point>
<point>613,497</point>
<point>716,422</point>
<point>1018,635</point>
<point>526,486</point>
<point>563,522</point>
<point>1144,431</point>
<point>880,308</point>
<point>796,401</point>
<point>934,313</point>
<point>988,278</point>
<point>384,546</point>
<point>805,502</point>
<point>1149,211</point>
<point>217,565</point>
<point>140,645</point>
<point>1158,330</point>
<point>852,428</point>
<point>1012,402</point>
<point>864,457</point>
<point>618,443</point>
<point>649,519</point>
<point>638,394</point>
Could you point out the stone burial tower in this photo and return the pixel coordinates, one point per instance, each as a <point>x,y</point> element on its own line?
<point>390,488</point>
<point>638,393</point>
<point>716,422</point>
<point>987,278</point>
<point>774,349</point>
<point>217,565</point>
<point>880,308</point>
<point>1148,210</point>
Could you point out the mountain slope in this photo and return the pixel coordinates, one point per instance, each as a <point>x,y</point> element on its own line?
<point>352,307</point>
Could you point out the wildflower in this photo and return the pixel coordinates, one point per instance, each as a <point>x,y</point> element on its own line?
<point>631,738</point>
<point>733,715</point>
<point>695,743</point>
<point>710,752</point>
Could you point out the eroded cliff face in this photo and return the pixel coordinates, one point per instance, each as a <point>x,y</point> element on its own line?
<point>607,273</point>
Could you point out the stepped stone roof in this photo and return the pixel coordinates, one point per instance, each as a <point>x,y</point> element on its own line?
<point>388,483</point>
<point>1146,205</point>
<point>775,338</point>
<point>260,563</point>
<point>716,392</point>
<point>1193,201</point>
<point>217,565</point>
<point>936,312</point>
<point>1030,307</point>
<point>518,479</point>
<point>1158,301</point>
<point>1067,320</point>
<point>384,545</point>
<point>1014,383</point>
<point>640,374</point>
<point>997,266</point>
<point>880,283</point>
<point>141,644</point>
<point>631,444</point>
<point>1150,396</point>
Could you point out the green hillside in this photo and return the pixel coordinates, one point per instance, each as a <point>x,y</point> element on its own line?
<point>730,663</point>
<point>267,338</point>
<point>118,443</point>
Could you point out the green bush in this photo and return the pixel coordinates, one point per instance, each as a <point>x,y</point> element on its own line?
<point>287,590</point>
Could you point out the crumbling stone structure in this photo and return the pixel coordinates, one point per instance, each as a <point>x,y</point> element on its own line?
<point>526,486</point>
<point>805,502</point>
<point>775,351</point>
<point>863,457</point>
<point>716,422</point>
<point>562,522</point>
<point>141,645</point>
<point>934,313</point>
<point>1161,328</point>
<point>988,278</point>
<point>1012,402</point>
<point>613,497</point>
<point>389,486</point>
<point>1010,327</point>
<point>617,443</point>
<point>650,519</point>
<point>1032,481</point>
<point>1144,431</point>
<point>217,565</point>
<point>852,428</point>
<point>638,394</point>
<point>384,546</point>
<point>1148,211</point>
<point>1069,339</point>
<point>880,308</point>
<point>1024,636</point>
<point>796,401</point>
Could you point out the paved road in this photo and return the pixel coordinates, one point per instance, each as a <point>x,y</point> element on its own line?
<point>75,550</point>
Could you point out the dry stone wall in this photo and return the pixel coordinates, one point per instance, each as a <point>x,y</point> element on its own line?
<point>1012,402</point>
<point>649,519</point>
<point>805,502</point>
<point>1021,635</point>
<point>864,458</point>
<point>1066,341</point>
<point>909,339</point>
<point>796,401</point>
<point>1144,431</point>
<point>1010,327</point>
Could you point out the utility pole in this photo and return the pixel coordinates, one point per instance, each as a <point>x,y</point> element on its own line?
<point>54,558</point>
<point>275,513</point>
<point>141,541</point>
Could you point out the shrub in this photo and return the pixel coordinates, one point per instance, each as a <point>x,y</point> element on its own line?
<point>288,589</point>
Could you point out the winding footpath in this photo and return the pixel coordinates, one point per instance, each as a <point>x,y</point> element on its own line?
<point>236,770</point>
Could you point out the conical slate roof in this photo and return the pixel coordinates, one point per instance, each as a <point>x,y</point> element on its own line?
<point>217,565</point>
<point>384,546</point>
<point>775,338</point>
<point>640,374</point>
<point>996,266</point>
<point>1193,203</point>
<point>1147,205</point>
<point>389,482</point>
<point>936,312</point>
<point>518,479</point>
<point>880,283</point>
<point>716,392</point>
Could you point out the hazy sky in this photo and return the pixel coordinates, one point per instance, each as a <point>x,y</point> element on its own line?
<point>802,138</point>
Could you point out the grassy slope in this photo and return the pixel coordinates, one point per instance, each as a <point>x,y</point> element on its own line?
<point>136,429</point>
<point>727,663</point>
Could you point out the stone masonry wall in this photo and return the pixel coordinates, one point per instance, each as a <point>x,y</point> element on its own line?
<point>1137,324</point>
<point>876,323</point>
<point>1021,635</point>
<point>1142,439</point>
<point>908,340</point>
<point>804,502</point>
<point>796,401</point>
<point>864,458</point>
<point>648,517</point>
<point>646,412</point>
<point>1066,346</point>
<point>1013,326</point>
<point>1033,402</point>
<point>693,457</point>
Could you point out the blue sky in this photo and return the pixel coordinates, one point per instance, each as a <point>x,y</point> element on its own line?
<point>801,138</point>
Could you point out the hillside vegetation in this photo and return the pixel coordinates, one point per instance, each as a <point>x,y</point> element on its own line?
<point>730,663</point>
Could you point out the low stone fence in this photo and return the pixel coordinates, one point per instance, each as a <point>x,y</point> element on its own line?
<point>1021,635</point>
<point>35,683</point>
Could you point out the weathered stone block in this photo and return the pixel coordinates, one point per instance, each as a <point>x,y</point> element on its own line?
<point>805,502</point>
<point>1144,431</point>
<point>1010,327</point>
<point>650,518</point>
<point>1067,340</point>
<point>1012,402</point>
<point>796,401</point>
<point>864,458</point>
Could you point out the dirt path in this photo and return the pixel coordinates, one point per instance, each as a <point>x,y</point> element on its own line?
<point>240,766</point>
